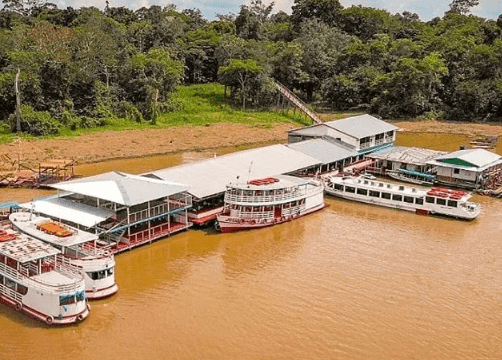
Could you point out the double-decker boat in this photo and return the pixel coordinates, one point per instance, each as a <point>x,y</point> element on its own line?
<point>269,201</point>
<point>439,201</point>
<point>37,281</point>
<point>78,246</point>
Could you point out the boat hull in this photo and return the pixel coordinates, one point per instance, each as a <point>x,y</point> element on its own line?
<point>228,226</point>
<point>45,318</point>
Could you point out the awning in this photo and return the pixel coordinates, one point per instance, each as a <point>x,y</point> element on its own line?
<point>416,173</point>
<point>61,208</point>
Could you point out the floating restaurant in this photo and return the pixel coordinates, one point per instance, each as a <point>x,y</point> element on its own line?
<point>126,210</point>
<point>466,168</point>
<point>363,134</point>
<point>207,180</point>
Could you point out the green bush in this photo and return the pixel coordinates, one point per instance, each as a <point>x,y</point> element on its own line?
<point>35,122</point>
<point>129,111</point>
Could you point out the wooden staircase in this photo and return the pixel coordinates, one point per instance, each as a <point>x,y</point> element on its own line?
<point>297,102</point>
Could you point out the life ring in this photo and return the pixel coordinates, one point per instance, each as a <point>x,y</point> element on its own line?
<point>217,226</point>
<point>49,320</point>
<point>88,307</point>
<point>18,306</point>
<point>241,221</point>
<point>80,318</point>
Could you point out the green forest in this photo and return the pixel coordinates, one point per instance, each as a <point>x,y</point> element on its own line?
<point>80,68</point>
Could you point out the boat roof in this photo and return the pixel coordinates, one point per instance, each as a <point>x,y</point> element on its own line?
<point>358,127</point>
<point>27,223</point>
<point>122,188</point>
<point>284,181</point>
<point>408,155</point>
<point>209,177</point>
<point>417,173</point>
<point>26,248</point>
<point>323,150</point>
<point>469,159</point>
<point>62,208</point>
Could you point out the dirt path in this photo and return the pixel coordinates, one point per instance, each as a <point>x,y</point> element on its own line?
<point>139,143</point>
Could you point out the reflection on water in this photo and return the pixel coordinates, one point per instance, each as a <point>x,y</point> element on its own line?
<point>353,281</point>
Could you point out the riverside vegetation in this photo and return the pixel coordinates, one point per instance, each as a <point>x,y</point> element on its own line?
<point>65,71</point>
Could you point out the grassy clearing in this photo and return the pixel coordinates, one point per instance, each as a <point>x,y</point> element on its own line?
<point>201,105</point>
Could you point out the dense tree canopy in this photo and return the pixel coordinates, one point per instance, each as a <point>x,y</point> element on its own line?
<point>82,67</point>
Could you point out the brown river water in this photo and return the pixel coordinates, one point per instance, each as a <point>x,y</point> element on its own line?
<point>353,281</point>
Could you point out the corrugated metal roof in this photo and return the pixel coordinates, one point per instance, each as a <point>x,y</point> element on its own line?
<point>478,157</point>
<point>121,188</point>
<point>210,177</point>
<point>409,155</point>
<point>361,126</point>
<point>61,208</point>
<point>324,151</point>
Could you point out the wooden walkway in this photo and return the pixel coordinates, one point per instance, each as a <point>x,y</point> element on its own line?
<point>297,102</point>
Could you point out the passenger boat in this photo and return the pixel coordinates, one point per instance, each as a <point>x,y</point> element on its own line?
<point>411,176</point>
<point>79,247</point>
<point>269,201</point>
<point>439,201</point>
<point>37,281</point>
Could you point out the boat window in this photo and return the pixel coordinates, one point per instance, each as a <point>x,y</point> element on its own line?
<point>67,299</point>
<point>380,184</point>
<point>109,272</point>
<point>374,193</point>
<point>338,187</point>
<point>429,199</point>
<point>386,196</point>
<point>350,189</point>
<point>408,199</point>
<point>452,203</point>
<point>10,284</point>
<point>388,186</point>
<point>366,182</point>
<point>419,201</point>
<point>362,191</point>
<point>397,197</point>
<point>401,187</point>
<point>23,290</point>
<point>1,279</point>
<point>441,201</point>
<point>97,275</point>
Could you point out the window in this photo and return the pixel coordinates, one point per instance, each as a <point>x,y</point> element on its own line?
<point>362,191</point>
<point>339,187</point>
<point>23,290</point>
<point>429,199</point>
<point>397,197</point>
<point>452,203</point>
<point>350,189</point>
<point>386,196</point>
<point>66,299</point>
<point>419,201</point>
<point>440,201</point>
<point>456,171</point>
<point>374,193</point>
<point>97,275</point>
<point>408,199</point>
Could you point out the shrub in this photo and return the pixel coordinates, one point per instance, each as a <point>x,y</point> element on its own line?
<point>35,122</point>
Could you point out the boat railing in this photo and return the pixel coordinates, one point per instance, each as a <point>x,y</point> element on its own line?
<point>299,194</point>
<point>88,249</point>
<point>23,276</point>
<point>170,205</point>
<point>10,293</point>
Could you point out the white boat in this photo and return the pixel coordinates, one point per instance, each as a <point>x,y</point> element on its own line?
<point>266,202</point>
<point>439,201</point>
<point>37,281</point>
<point>78,246</point>
<point>411,176</point>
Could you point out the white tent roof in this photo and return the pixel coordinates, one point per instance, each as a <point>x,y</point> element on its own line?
<point>61,208</point>
<point>121,188</point>
<point>210,177</point>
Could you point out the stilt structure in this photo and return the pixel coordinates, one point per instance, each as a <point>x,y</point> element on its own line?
<point>297,102</point>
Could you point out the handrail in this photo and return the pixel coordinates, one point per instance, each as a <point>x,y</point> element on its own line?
<point>270,198</point>
<point>298,102</point>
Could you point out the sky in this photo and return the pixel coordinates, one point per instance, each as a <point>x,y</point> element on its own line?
<point>426,9</point>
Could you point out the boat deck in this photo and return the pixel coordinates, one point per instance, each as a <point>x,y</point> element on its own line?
<point>53,278</point>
